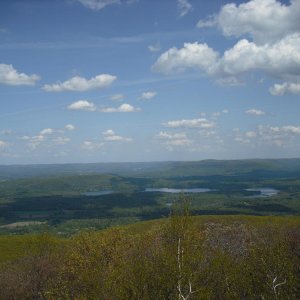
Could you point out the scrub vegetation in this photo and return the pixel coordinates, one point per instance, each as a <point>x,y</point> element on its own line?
<point>180,257</point>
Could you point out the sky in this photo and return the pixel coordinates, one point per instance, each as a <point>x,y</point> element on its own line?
<point>148,80</point>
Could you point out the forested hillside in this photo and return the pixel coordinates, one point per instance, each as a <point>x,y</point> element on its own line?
<point>181,257</point>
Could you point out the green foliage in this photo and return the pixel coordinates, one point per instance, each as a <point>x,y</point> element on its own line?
<point>177,258</point>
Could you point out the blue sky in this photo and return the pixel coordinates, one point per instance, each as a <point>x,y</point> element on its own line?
<point>141,80</point>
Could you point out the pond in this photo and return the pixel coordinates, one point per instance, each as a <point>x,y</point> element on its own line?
<point>263,192</point>
<point>176,191</point>
<point>98,193</point>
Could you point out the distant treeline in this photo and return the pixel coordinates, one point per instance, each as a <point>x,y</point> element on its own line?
<point>160,169</point>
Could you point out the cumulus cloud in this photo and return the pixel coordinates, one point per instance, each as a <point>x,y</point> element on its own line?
<point>82,105</point>
<point>268,135</point>
<point>117,97</point>
<point>124,108</point>
<point>98,4</point>
<point>10,76</point>
<point>255,112</point>
<point>90,145</point>
<point>47,131</point>
<point>110,136</point>
<point>263,20</point>
<point>70,127</point>
<point>171,136</point>
<point>291,129</point>
<point>33,142</point>
<point>278,60</point>
<point>80,84</point>
<point>174,139</point>
<point>284,88</point>
<point>192,55</point>
<point>38,138</point>
<point>184,7</point>
<point>281,59</point>
<point>270,43</point>
<point>50,135</point>
<point>192,123</point>
<point>148,95</point>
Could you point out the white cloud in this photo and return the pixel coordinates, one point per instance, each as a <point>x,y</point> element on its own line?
<point>207,133</point>
<point>110,136</point>
<point>174,139</point>
<point>148,95</point>
<point>70,127</point>
<point>250,134</point>
<point>154,48</point>
<point>264,20</point>
<point>124,108</point>
<point>98,4</point>
<point>10,76</point>
<point>281,59</point>
<point>184,7</point>
<point>82,105</point>
<point>192,55</point>
<point>210,21</point>
<point>108,132</point>
<point>117,97</point>
<point>38,138</point>
<point>179,142</point>
<point>61,140</point>
<point>278,60</point>
<point>33,142</point>
<point>273,46</point>
<point>80,84</point>
<point>225,111</point>
<point>3,145</point>
<point>269,135</point>
<point>171,136</point>
<point>192,123</point>
<point>286,87</point>
<point>47,131</point>
<point>291,129</point>
<point>255,112</point>
<point>89,145</point>
<point>117,138</point>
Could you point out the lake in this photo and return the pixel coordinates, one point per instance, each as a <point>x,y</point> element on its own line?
<point>264,192</point>
<point>98,193</point>
<point>176,191</point>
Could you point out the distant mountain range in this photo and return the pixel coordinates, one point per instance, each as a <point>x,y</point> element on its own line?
<point>161,169</point>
